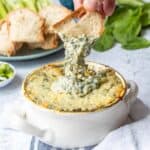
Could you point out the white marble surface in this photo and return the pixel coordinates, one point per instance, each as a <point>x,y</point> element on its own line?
<point>133,65</point>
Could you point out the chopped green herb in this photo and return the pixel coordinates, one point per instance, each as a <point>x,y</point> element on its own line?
<point>6,71</point>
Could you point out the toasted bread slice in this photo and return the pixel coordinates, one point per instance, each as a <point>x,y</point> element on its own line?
<point>53,14</point>
<point>91,24</point>
<point>25,26</point>
<point>51,41</point>
<point>7,47</point>
<point>68,21</point>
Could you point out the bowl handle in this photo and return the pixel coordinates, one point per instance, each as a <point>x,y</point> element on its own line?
<point>132,92</point>
<point>19,122</point>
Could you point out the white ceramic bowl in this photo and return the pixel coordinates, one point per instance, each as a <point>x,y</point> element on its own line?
<point>71,130</point>
<point>7,81</point>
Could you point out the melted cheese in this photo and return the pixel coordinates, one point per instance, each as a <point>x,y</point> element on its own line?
<point>78,78</point>
<point>37,87</point>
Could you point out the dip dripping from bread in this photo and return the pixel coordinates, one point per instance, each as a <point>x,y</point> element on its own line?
<point>78,36</point>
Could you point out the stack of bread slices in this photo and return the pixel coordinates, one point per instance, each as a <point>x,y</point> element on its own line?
<point>24,27</point>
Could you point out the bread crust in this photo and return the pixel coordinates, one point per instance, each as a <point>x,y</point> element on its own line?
<point>7,47</point>
<point>59,12</point>
<point>76,14</point>
<point>51,41</point>
<point>61,25</point>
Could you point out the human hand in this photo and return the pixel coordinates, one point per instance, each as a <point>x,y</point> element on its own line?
<point>104,7</point>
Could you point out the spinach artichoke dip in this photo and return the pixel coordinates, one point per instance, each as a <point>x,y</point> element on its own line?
<point>74,86</point>
<point>79,79</point>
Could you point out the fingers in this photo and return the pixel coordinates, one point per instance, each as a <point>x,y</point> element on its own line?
<point>78,3</point>
<point>90,5</point>
<point>108,7</point>
<point>99,8</point>
<point>95,5</point>
<point>104,7</point>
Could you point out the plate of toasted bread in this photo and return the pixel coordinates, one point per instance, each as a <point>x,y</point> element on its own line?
<point>26,35</point>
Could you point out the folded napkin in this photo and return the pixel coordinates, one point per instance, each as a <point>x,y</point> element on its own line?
<point>133,136</point>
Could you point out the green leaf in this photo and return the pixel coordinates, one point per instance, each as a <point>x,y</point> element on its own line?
<point>119,13</point>
<point>132,3</point>
<point>38,5</point>
<point>8,8</point>
<point>31,4</point>
<point>3,11</point>
<point>12,4</point>
<point>137,43</point>
<point>145,19</point>
<point>42,3</point>
<point>128,27</point>
<point>125,26</point>
<point>105,42</point>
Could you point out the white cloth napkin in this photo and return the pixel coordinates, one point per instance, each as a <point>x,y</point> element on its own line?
<point>133,136</point>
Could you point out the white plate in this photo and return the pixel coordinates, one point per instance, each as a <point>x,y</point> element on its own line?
<point>26,54</point>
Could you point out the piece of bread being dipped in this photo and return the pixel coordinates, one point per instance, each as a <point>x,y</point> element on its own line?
<point>90,24</point>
